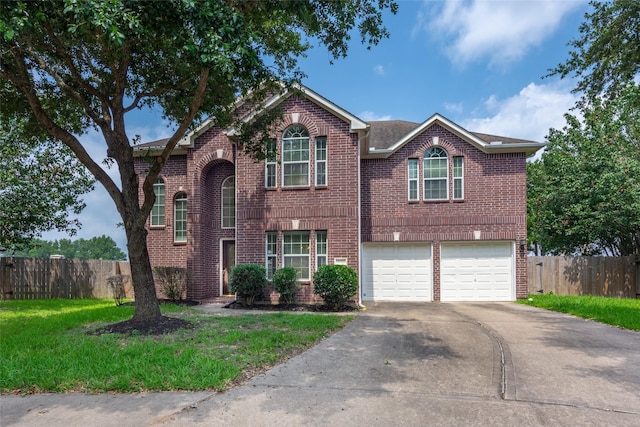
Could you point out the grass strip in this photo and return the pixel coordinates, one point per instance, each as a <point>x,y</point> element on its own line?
<point>44,347</point>
<point>621,312</point>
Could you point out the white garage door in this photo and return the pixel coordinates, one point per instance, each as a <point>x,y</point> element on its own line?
<point>396,272</point>
<point>477,271</point>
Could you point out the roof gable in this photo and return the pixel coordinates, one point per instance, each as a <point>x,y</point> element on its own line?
<point>381,148</point>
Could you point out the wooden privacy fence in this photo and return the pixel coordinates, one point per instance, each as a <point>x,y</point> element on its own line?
<point>42,278</point>
<point>602,276</point>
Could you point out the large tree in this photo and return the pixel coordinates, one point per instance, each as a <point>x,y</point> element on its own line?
<point>41,184</point>
<point>98,60</point>
<point>584,194</point>
<point>102,247</point>
<point>605,58</point>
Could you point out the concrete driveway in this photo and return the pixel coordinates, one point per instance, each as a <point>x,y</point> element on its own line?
<point>403,364</point>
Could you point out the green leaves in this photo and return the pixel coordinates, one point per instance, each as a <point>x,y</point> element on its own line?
<point>606,56</point>
<point>41,184</point>
<point>584,196</point>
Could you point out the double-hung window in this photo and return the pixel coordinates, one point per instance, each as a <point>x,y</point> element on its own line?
<point>413,179</point>
<point>180,218</point>
<point>321,161</point>
<point>321,249</point>
<point>458,178</point>
<point>295,157</point>
<point>295,252</point>
<point>229,202</point>
<point>271,248</point>
<point>436,174</point>
<point>157,211</point>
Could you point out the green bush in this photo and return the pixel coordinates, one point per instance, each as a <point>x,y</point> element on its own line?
<point>248,281</point>
<point>285,282</point>
<point>336,284</point>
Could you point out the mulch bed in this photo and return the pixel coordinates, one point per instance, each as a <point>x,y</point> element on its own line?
<point>164,325</point>
<point>289,307</point>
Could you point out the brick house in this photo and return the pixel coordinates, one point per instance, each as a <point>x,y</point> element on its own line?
<point>422,211</point>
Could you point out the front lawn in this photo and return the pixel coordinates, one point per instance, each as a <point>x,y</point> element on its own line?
<point>622,312</point>
<point>47,346</point>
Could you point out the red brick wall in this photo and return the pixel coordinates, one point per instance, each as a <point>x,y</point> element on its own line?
<point>333,208</point>
<point>494,200</point>
<point>162,249</point>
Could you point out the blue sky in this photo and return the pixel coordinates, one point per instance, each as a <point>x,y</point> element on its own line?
<point>479,63</point>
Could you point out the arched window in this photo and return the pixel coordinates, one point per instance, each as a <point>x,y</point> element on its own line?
<point>229,202</point>
<point>157,211</point>
<point>436,174</point>
<point>295,157</point>
<point>180,218</point>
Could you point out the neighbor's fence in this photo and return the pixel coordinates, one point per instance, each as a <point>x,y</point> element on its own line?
<point>42,278</point>
<point>602,276</point>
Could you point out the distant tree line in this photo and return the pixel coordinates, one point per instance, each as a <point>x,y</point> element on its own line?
<point>102,247</point>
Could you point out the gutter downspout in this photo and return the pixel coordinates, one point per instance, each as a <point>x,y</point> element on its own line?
<point>360,305</point>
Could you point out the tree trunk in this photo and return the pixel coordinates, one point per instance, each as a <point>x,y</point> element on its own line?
<point>147,307</point>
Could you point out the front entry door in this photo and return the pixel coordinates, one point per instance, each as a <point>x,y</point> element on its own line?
<point>228,261</point>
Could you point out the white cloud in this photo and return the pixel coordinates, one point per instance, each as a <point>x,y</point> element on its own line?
<point>453,107</point>
<point>528,115</point>
<point>370,116</point>
<point>502,31</point>
<point>379,70</point>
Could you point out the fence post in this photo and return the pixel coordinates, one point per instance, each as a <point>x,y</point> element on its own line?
<point>638,276</point>
<point>5,279</point>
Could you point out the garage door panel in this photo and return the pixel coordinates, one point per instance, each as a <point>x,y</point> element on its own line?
<point>397,272</point>
<point>477,272</point>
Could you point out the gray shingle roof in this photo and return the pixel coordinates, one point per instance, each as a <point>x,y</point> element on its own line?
<point>383,134</point>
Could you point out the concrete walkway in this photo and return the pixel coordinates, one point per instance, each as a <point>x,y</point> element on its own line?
<point>403,364</point>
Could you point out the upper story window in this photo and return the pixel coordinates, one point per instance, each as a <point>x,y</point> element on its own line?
<point>180,218</point>
<point>229,202</point>
<point>413,179</point>
<point>436,174</point>
<point>436,169</point>
<point>295,157</point>
<point>458,178</point>
<point>157,211</point>
<point>270,165</point>
<point>321,161</point>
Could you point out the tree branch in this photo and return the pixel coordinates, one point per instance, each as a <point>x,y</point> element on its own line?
<point>159,162</point>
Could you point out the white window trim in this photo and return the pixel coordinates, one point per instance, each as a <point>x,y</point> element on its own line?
<point>425,179</point>
<point>156,205</point>
<point>324,255</point>
<point>222,215</point>
<point>180,196</point>
<point>271,160</point>
<point>326,156</point>
<point>459,178</point>
<point>307,256</point>
<point>297,162</point>
<point>416,179</point>
<point>274,254</point>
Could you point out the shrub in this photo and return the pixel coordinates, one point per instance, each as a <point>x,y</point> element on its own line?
<point>117,285</point>
<point>285,282</point>
<point>248,281</point>
<point>336,284</point>
<point>172,281</point>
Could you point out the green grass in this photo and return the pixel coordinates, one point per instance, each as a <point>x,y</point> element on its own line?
<point>44,347</point>
<point>621,312</point>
